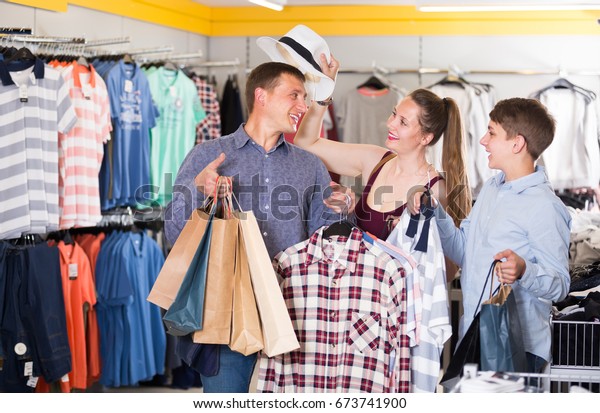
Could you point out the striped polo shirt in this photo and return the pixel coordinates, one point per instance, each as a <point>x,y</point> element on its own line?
<point>34,106</point>
<point>81,150</point>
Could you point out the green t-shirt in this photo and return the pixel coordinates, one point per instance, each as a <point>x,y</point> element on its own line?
<point>174,135</point>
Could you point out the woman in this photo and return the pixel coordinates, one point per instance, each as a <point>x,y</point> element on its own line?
<point>390,173</point>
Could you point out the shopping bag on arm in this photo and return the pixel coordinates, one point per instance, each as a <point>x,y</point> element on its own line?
<point>278,332</point>
<point>468,349</point>
<point>218,302</point>
<point>246,332</point>
<point>185,313</point>
<point>500,333</point>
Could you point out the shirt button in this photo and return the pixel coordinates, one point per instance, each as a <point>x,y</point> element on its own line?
<point>332,314</point>
<point>264,234</point>
<point>334,282</point>
<point>266,207</point>
<point>266,156</point>
<point>267,180</point>
<point>333,345</point>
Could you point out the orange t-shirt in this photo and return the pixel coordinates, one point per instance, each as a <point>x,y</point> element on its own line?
<point>78,289</point>
<point>91,245</point>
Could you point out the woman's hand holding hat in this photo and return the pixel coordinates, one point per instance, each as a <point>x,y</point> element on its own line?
<point>330,69</point>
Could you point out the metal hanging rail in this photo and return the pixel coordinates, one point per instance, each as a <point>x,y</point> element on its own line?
<point>42,39</point>
<point>426,71</point>
<point>185,56</point>
<point>162,49</point>
<point>225,63</point>
<point>107,42</point>
<point>15,30</point>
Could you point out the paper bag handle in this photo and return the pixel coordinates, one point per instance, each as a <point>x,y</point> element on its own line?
<point>489,277</point>
<point>211,202</point>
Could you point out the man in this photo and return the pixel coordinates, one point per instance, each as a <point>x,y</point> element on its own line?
<point>282,184</point>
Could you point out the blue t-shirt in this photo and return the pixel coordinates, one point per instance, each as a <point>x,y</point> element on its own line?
<point>126,163</point>
<point>143,259</point>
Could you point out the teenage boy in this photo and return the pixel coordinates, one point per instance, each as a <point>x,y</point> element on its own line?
<point>517,219</point>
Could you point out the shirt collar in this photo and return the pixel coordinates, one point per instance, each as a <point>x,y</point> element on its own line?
<point>349,255</point>
<point>79,69</point>
<point>241,138</point>
<point>519,185</point>
<point>128,67</point>
<point>38,70</point>
<point>168,78</point>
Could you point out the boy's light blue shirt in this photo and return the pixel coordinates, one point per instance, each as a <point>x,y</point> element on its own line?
<point>525,216</point>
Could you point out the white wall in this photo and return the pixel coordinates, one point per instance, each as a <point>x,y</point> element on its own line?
<point>571,53</point>
<point>505,53</point>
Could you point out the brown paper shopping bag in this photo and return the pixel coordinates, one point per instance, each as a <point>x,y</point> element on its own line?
<point>171,275</point>
<point>218,301</point>
<point>278,332</point>
<point>246,332</point>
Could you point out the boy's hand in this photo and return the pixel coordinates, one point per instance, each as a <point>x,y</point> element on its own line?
<point>511,269</point>
<point>206,180</point>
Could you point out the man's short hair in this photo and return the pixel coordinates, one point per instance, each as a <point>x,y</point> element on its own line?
<point>267,76</point>
<point>528,118</point>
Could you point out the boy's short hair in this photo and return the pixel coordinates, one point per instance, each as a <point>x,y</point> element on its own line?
<point>528,118</point>
<point>267,76</point>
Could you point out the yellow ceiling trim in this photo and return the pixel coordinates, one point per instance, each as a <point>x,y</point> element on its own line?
<point>353,13</point>
<point>52,5</point>
<point>409,28</point>
<point>188,17</point>
<point>335,20</point>
<point>398,20</point>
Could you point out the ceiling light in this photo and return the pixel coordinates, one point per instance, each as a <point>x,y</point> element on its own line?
<point>479,6</point>
<point>276,5</point>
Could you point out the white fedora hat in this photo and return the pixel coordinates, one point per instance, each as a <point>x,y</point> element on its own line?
<point>301,47</point>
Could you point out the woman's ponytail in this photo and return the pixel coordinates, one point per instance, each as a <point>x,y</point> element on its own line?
<point>458,191</point>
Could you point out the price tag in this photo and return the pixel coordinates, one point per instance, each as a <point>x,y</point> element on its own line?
<point>87,91</point>
<point>32,382</point>
<point>73,272</point>
<point>23,96</point>
<point>65,378</point>
<point>128,86</point>
<point>28,371</point>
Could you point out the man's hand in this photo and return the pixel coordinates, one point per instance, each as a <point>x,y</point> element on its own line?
<point>206,180</point>
<point>511,269</point>
<point>342,199</point>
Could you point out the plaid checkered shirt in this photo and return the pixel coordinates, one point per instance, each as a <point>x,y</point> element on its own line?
<point>347,302</point>
<point>210,127</point>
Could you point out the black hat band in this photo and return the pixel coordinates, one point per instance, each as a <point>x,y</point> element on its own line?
<point>301,50</point>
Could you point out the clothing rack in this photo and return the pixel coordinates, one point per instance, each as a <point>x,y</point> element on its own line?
<point>41,39</point>
<point>225,63</point>
<point>171,57</point>
<point>15,30</point>
<point>186,56</point>
<point>425,70</point>
<point>107,42</point>
<point>152,50</point>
